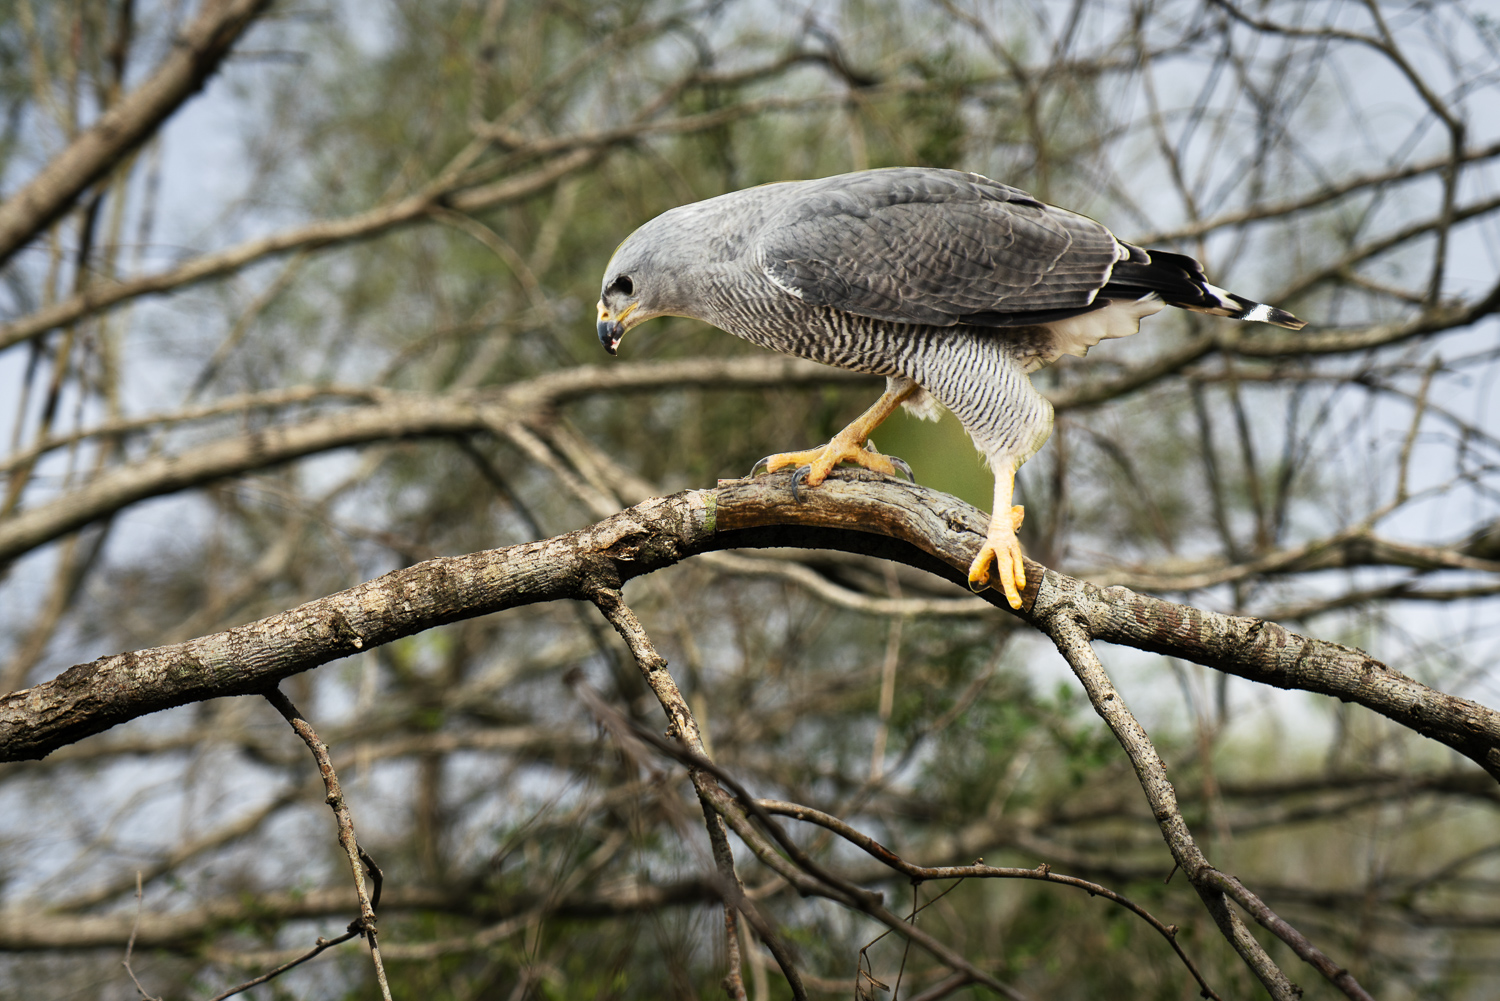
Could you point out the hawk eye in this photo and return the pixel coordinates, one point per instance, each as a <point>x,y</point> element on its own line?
<point>623,285</point>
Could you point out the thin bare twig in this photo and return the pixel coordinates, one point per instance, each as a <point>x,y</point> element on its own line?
<point>130,945</point>
<point>1403,493</point>
<point>1042,873</point>
<point>817,879</point>
<point>322,945</point>
<point>365,923</point>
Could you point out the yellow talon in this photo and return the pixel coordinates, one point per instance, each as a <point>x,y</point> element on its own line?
<point>848,445</point>
<point>821,461</point>
<point>1002,547</point>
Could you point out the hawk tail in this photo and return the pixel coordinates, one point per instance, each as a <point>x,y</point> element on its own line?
<point>1256,312</point>
<point>1180,281</point>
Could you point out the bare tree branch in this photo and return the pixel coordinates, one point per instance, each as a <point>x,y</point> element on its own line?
<point>802,870</point>
<point>394,416</point>
<point>856,511</point>
<point>1042,873</point>
<point>1073,644</point>
<point>196,55</point>
<point>318,948</point>
<point>1318,198</point>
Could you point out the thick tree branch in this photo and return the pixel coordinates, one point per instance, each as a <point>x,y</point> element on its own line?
<point>853,511</point>
<point>196,55</point>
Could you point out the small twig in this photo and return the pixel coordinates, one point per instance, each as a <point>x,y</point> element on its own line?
<point>130,945</point>
<point>1403,492</point>
<point>943,988</point>
<point>322,945</point>
<point>916,890</point>
<point>1042,873</point>
<point>377,877</point>
<point>864,958</point>
<point>821,881</point>
<point>365,923</point>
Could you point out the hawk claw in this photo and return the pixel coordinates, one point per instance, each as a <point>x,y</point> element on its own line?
<point>903,470</point>
<point>797,478</point>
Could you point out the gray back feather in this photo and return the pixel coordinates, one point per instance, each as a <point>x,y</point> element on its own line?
<point>927,246</point>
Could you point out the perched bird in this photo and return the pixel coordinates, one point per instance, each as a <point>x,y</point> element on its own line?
<point>952,286</point>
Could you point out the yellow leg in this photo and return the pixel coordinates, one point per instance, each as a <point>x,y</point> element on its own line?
<point>847,446</point>
<point>1000,545</point>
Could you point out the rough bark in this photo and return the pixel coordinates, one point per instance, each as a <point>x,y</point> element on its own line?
<point>853,511</point>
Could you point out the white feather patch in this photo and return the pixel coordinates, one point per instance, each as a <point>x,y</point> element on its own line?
<point>1076,334</point>
<point>1225,299</point>
<point>1260,314</point>
<point>924,405</point>
<point>788,289</point>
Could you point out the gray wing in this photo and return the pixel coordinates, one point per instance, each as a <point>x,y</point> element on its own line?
<point>938,247</point>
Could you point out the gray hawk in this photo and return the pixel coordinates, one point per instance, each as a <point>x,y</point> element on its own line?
<point>952,286</point>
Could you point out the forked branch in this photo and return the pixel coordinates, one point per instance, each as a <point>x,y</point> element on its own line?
<point>852,511</point>
<point>1212,885</point>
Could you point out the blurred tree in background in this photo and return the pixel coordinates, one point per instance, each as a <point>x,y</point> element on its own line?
<point>246,351</point>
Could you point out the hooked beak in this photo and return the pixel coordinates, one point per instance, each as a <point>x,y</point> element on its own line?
<point>610,332</point>
<point>610,329</point>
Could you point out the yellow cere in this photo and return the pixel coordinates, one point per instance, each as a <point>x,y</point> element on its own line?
<point>604,311</point>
